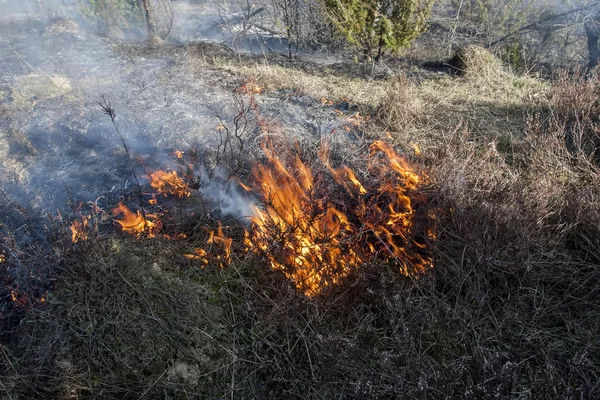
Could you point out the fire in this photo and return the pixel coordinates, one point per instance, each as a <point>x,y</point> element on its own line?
<point>136,223</point>
<point>320,222</point>
<point>222,252</point>
<point>223,241</point>
<point>251,86</point>
<point>24,300</point>
<point>317,241</point>
<point>19,297</point>
<point>169,183</point>
<point>358,120</point>
<point>416,149</point>
<point>80,230</point>
<point>199,254</point>
<point>175,236</point>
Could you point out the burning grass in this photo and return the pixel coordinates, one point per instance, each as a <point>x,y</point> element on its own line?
<point>167,183</point>
<point>138,223</point>
<point>317,227</point>
<point>317,237</point>
<point>509,310</point>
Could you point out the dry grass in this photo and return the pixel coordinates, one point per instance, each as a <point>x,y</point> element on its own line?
<point>31,88</point>
<point>510,309</point>
<point>319,83</point>
<point>125,317</point>
<point>488,108</point>
<point>489,100</point>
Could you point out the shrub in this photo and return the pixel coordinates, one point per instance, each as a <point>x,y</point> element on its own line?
<point>576,112</point>
<point>377,26</point>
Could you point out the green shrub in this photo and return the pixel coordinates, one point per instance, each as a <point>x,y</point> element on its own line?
<point>377,26</point>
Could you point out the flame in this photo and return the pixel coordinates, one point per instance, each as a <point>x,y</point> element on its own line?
<point>178,154</point>
<point>307,236</point>
<point>169,183</point>
<point>251,86</point>
<point>311,251</point>
<point>416,149</point>
<point>222,252</point>
<point>79,230</point>
<point>22,299</point>
<point>199,254</point>
<point>175,236</point>
<point>357,119</point>
<point>223,241</point>
<point>135,223</point>
<point>25,300</point>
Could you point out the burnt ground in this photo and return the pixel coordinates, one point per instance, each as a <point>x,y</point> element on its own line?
<point>55,137</point>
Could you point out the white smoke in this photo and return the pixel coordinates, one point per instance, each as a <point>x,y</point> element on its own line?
<point>225,197</point>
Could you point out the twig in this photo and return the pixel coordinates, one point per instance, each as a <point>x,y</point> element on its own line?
<point>155,382</point>
<point>108,109</point>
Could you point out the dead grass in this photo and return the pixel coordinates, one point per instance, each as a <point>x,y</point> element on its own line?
<point>32,88</point>
<point>490,101</point>
<point>124,318</point>
<point>490,109</point>
<point>510,309</point>
<point>322,83</point>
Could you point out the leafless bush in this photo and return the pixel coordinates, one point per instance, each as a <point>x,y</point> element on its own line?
<point>304,24</point>
<point>576,111</point>
<point>232,139</point>
<point>399,109</point>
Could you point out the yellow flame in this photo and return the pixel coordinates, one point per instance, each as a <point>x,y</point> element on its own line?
<point>312,241</point>
<point>220,239</point>
<point>79,230</point>
<point>135,223</point>
<point>169,183</point>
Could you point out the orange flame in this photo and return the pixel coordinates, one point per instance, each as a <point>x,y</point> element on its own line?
<point>223,252</point>
<point>223,241</point>
<point>135,223</point>
<point>199,254</point>
<point>416,149</point>
<point>24,300</point>
<point>79,230</point>
<point>357,119</point>
<point>251,86</point>
<point>312,241</point>
<point>169,183</point>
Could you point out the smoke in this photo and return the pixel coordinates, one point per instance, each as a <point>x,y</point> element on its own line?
<point>56,145</point>
<point>224,196</point>
<point>55,141</point>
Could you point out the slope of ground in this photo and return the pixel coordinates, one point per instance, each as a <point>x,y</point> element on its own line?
<point>509,309</point>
